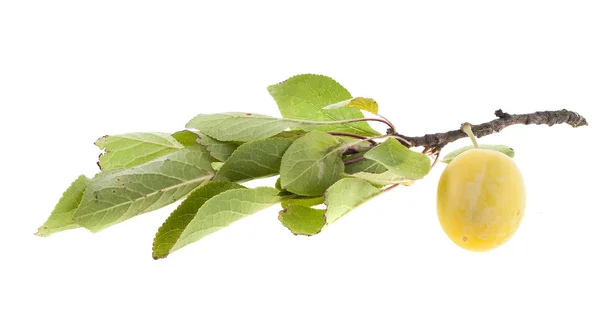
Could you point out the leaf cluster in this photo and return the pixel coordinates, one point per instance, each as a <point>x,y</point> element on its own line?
<point>328,158</point>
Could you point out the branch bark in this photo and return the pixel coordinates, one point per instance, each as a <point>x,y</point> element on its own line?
<point>439,140</point>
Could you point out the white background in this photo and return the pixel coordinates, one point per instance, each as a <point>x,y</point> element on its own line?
<point>72,71</point>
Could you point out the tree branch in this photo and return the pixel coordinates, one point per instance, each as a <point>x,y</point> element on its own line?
<point>439,140</point>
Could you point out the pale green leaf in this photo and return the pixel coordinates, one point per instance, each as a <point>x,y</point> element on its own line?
<point>61,218</point>
<point>340,198</point>
<point>400,160</point>
<point>302,220</point>
<point>133,149</point>
<point>171,230</point>
<point>118,195</point>
<point>242,126</point>
<point>304,97</point>
<point>363,103</point>
<point>224,209</point>
<point>311,164</point>
<point>216,165</point>
<point>254,159</point>
<point>346,195</point>
<point>186,138</point>
<point>219,150</point>
<point>500,148</point>
<point>381,179</point>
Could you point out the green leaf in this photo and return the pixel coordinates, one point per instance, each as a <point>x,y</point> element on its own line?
<point>242,126</point>
<point>224,209</point>
<point>367,104</point>
<point>400,160</point>
<point>304,97</point>
<point>302,220</point>
<point>312,164</point>
<point>346,195</point>
<point>118,195</point>
<point>171,230</point>
<point>186,138</point>
<point>254,159</point>
<point>61,218</point>
<point>134,149</point>
<point>303,201</point>
<point>340,199</point>
<point>500,148</point>
<point>381,179</point>
<point>365,165</point>
<point>219,150</point>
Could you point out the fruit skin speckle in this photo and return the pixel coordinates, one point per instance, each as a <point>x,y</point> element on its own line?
<point>481,199</point>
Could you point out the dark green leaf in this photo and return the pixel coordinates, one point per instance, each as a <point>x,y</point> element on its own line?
<point>171,230</point>
<point>312,164</point>
<point>186,138</point>
<point>254,159</point>
<point>219,150</point>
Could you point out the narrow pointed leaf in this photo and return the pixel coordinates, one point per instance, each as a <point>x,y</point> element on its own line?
<point>311,164</point>
<point>364,103</point>
<point>133,149</point>
<point>171,230</point>
<point>500,148</point>
<point>61,218</point>
<point>400,160</point>
<point>118,195</point>
<point>242,127</point>
<point>220,150</point>
<point>254,159</point>
<point>305,96</point>
<point>302,220</point>
<point>224,209</point>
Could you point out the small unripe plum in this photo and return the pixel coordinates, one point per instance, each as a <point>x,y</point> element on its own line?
<point>481,199</point>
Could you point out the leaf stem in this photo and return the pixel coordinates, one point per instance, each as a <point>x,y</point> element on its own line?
<point>466,128</point>
<point>353,160</point>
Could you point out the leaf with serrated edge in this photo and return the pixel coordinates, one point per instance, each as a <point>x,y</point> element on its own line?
<point>311,164</point>
<point>400,160</point>
<point>254,159</point>
<point>381,179</point>
<point>304,96</point>
<point>61,218</point>
<point>500,148</point>
<point>171,230</point>
<point>242,126</point>
<point>134,149</point>
<point>302,220</point>
<point>363,103</point>
<point>224,209</point>
<point>118,195</point>
<point>220,150</point>
<point>186,138</point>
<point>342,197</point>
